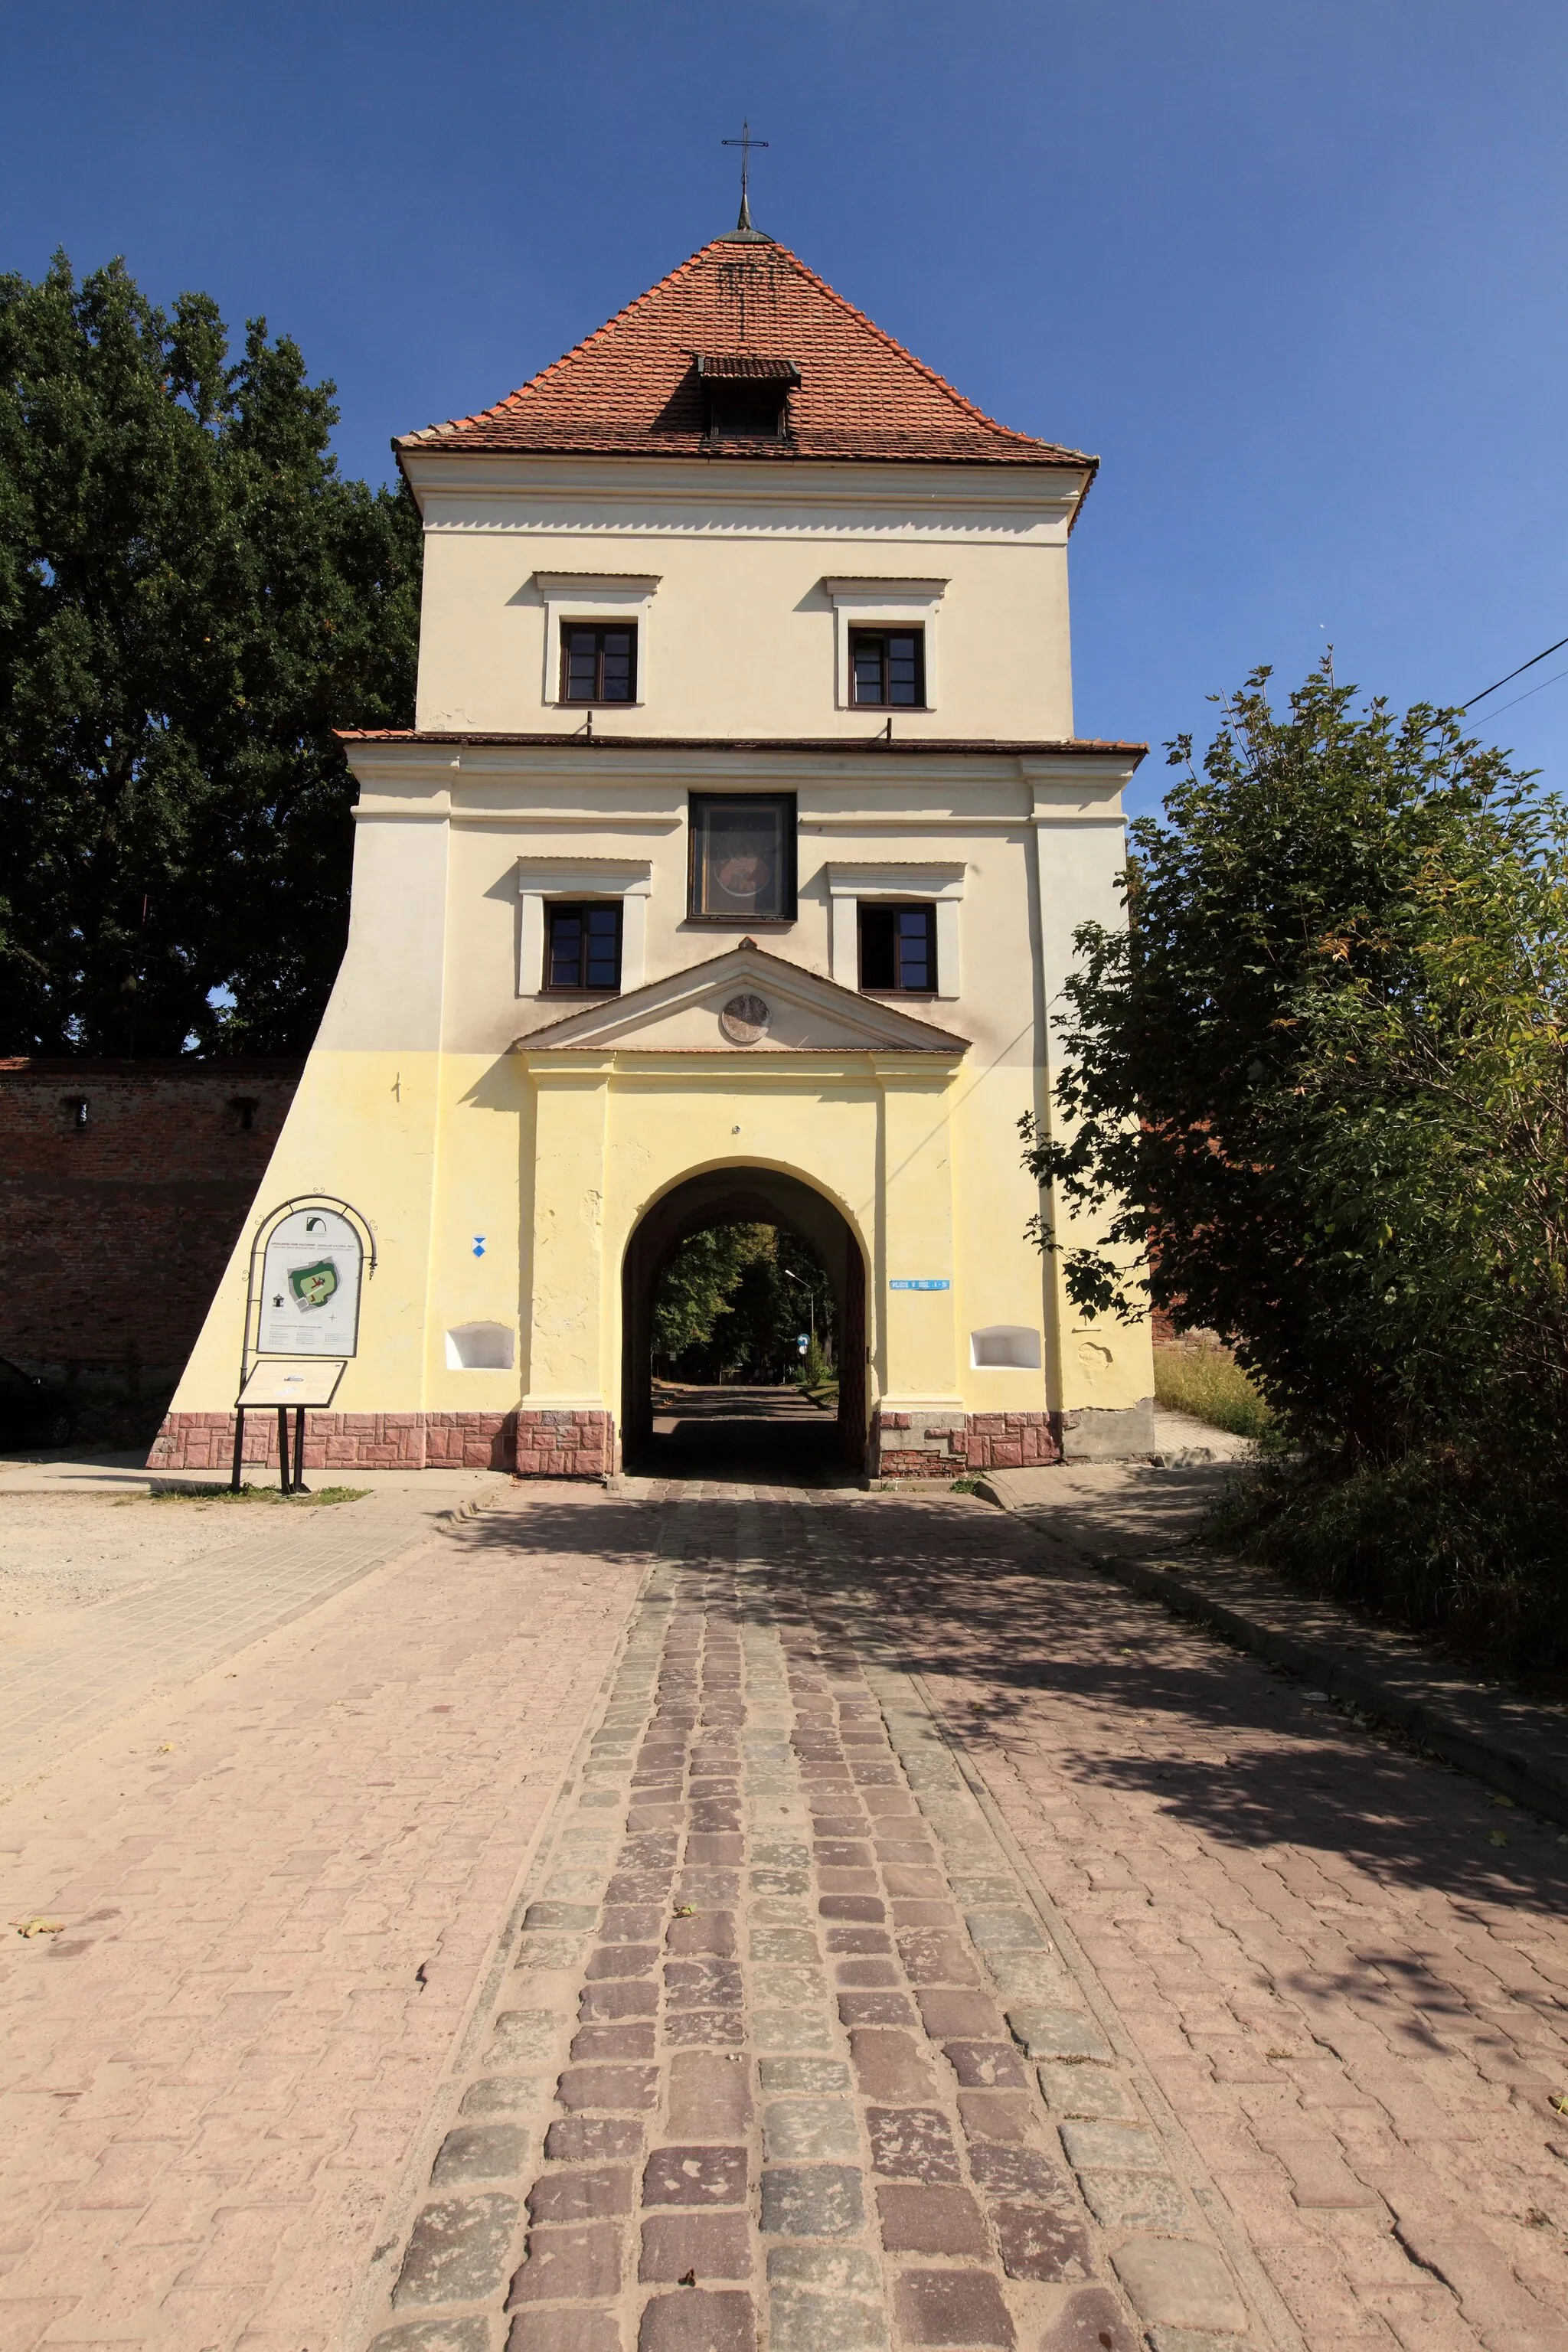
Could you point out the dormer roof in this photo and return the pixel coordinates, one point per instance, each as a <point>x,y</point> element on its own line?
<point>745,308</point>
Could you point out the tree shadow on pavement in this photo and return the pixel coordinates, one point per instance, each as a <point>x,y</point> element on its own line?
<point>1139,1701</point>
<point>1147,1703</point>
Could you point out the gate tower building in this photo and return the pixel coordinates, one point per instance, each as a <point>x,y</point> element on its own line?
<point>730,870</point>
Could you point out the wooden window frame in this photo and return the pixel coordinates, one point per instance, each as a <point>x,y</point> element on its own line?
<point>597,701</point>
<point>768,400</point>
<point>555,907</point>
<point>894,907</point>
<point>883,630</point>
<point>788,803</point>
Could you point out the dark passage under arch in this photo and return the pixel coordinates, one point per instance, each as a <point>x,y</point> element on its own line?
<point>767,1435</point>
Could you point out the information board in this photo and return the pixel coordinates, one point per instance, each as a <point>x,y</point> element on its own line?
<point>291,1384</point>
<point>311,1286</point>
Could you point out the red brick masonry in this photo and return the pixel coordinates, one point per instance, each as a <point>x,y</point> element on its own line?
<point>114,1232</point>
<point>947,1444</point>
<point>535,1444</point>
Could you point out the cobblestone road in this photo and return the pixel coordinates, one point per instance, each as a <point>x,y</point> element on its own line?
<point>937,1946</point>
<point>911,1940</point>
<point>787,2054</point>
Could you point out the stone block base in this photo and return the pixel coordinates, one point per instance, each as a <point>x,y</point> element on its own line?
<point>552,1444</point>
<point>938,1445</point>
<point>1108,1434</point>
<point>342,1441</point>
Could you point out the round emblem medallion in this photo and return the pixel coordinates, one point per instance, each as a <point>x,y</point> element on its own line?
<point>744,1019</point>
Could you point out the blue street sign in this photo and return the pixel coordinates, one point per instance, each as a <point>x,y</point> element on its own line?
<point>942,1282</point>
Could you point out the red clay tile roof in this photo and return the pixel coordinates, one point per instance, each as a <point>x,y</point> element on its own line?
<point>633,388</point>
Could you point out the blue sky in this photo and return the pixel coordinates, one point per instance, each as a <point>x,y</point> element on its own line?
<point>1295,269</point>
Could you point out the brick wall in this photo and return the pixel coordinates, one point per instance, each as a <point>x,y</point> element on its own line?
<point>535,1444</point>
<point>113,1233</point>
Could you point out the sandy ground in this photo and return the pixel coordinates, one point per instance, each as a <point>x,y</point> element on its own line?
<point>63,1552</point>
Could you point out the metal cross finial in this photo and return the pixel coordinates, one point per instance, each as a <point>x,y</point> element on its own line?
<point>745,143</point>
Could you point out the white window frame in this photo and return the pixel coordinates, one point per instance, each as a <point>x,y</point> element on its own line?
<point>938,885</point>
<point>883,604</point>
<point>598,599</point>
<point>629,879</point>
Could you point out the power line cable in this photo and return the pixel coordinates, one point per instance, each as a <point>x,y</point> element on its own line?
<point>1513,673</point>
<point>1528,691</point>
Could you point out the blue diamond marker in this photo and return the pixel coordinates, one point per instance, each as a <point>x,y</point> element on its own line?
<point>479,1245</point>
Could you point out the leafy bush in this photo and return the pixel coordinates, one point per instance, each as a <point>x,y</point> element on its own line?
<point>1445,1539</point>
<point>1211,1385</point>
<point>1315,1095</point>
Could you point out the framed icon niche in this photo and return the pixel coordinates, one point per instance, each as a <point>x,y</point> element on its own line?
<point>743,858</point>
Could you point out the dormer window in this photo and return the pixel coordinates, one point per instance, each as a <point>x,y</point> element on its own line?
<point>745,397</point>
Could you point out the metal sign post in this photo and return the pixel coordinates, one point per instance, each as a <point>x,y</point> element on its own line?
<point>290,1388</point>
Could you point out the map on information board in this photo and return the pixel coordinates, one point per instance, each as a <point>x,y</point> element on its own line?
<point>310,1287</point>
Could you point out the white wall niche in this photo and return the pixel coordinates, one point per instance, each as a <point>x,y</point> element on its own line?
<point>481,1348</point>
<point>1005,1347</point>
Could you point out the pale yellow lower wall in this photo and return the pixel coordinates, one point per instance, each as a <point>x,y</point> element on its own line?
<point>552,1169</point>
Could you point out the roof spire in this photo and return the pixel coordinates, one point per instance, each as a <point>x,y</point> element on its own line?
<point>745,143</point>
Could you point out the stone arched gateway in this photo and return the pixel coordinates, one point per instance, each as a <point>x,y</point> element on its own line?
<point>735,1195</point>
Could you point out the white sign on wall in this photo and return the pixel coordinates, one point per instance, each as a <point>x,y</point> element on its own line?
<point>310,1287</point>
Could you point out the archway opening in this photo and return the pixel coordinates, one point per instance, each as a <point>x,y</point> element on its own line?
<point>744,1334</point>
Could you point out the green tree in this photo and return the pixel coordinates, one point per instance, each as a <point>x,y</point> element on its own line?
<point>696,1286</point>
<point>1321,1077</point>
<point>733,1299</point>
<point>191,599</point>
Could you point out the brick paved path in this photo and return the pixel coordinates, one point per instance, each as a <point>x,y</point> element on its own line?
<point>1346,1965</point>
<point>786,2055</point>
<point>925,1943</point>
<point>280,1895</point>
<point>61,1684</point>
<point>789,2057</point>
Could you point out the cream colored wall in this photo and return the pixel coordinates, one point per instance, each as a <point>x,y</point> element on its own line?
<point>902,1154</point>
<point>414,1108</point>
<point>738,636</point>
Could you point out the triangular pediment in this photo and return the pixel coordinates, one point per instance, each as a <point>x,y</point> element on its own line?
<point>744,1001</point>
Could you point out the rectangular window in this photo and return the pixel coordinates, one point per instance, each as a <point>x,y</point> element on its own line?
<point>582,947</point>
<point>598,665</point>
<point>742,857</point>
<point>889,668</point>
<point>898,951</point>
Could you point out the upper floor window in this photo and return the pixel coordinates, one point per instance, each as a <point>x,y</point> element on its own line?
<point>898,951</point>
<point>888,667</point>
<point>598,665</point>
<point>742,857</point>
<point>582,947</point>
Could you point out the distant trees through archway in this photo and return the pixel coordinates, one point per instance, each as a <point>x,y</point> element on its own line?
<point>752,1302</point>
